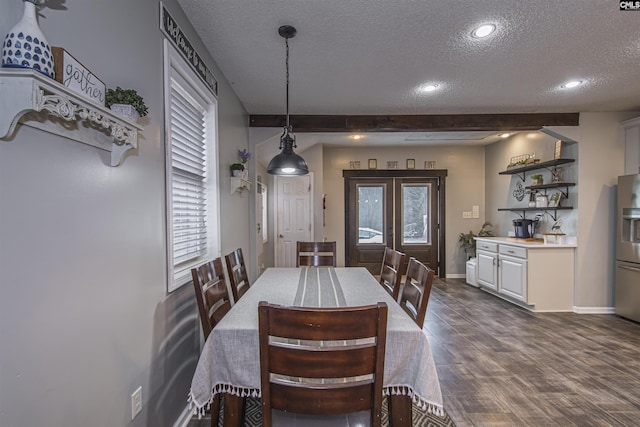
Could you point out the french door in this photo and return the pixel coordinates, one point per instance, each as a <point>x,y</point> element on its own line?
<point>403,210</point>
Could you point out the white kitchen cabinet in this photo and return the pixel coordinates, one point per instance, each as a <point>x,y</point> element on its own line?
<point>487,258</point>
<point>512,277</point>
<point>537,276</point>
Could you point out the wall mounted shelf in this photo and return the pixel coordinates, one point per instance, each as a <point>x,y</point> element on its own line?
<point>535,166</point>
<point>545,187</point>
<point>552,212</point>
<point>239,184</point>
<point>32,99</point>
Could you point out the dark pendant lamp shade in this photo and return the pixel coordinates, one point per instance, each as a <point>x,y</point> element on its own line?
<point>287,163</point>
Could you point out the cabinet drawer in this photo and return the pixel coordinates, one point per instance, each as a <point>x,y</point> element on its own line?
<point>514,251</point>
<point>486,246</point>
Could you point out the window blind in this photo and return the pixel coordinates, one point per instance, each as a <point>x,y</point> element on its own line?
<point>188,176</point>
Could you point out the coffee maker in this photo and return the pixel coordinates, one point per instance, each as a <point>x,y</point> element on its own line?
<point>523,228</point>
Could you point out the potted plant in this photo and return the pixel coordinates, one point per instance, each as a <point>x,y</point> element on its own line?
<point>467,241</point>
<point>126,102</point>
<point>236,169</point>
<point>536,179</point>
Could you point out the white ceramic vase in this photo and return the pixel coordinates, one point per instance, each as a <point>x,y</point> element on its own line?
<point>25,46</point>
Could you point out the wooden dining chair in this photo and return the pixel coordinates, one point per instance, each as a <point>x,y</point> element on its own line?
<point>306,368</point>
<point>237,272</point>
<point>315,254</point>
<point>416,290</point>
<point>391,272</point>
<point>211,294</point>
<point>213,303</point>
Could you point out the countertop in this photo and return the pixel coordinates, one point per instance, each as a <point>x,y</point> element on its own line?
<point>570,242</point>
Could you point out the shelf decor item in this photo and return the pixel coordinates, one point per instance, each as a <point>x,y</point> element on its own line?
<point>537,179</point>
<point>74,75</point>
<point>25,45</point>
<point>126,102</point>
<point>237,169</point>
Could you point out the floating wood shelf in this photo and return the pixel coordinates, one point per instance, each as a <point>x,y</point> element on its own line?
<point>32,99</point>
<point>552,212</point>
<point>535,166</point>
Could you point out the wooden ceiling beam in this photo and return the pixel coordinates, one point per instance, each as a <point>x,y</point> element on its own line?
<point>417,123</point>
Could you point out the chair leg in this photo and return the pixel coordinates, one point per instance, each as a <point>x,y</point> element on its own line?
<point>215,410</point>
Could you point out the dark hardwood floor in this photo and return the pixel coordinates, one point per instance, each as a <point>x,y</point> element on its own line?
<point>501,365</point>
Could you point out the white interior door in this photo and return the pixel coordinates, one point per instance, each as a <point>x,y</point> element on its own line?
<point>293,217</point>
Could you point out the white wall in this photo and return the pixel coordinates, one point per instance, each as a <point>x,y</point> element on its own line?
<point>464,186</point>
<point>85,314</point>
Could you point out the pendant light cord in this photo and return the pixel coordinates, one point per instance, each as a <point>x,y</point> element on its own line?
<point>286,41</point>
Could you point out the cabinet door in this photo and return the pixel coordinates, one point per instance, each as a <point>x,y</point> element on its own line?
<point>487,270</point>
<point>512,276</point>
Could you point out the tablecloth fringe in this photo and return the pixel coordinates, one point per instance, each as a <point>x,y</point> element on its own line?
<point>430,407</point>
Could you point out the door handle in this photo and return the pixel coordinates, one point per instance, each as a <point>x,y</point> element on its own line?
<point>280,236</point>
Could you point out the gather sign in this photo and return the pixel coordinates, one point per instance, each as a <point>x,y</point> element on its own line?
<point>71,73</point>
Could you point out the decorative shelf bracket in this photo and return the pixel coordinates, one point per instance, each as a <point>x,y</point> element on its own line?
<point>34,100</point>
<point>239,184</point>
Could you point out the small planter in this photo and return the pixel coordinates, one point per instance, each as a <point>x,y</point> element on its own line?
<point>237,169</point>
<point>125,110</point>
<point>537,180</point>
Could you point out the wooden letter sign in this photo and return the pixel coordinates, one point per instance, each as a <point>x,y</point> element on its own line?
<point>77,77</point>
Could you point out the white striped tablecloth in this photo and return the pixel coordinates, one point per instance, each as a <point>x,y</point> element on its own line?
<point>230,360</point>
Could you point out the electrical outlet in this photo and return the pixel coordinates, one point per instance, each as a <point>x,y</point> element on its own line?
<point>136,402</point>
<point>466,214</point>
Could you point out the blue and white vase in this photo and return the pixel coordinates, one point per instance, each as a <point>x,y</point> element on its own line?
<point>25,46</point>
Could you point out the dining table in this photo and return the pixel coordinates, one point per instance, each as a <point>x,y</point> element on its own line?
<point>229,363</point>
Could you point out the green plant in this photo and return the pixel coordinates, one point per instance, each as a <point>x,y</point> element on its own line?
<point>536,177</point>
<point>126,96</point>
<point>467,241</point>
<point>237,167</point>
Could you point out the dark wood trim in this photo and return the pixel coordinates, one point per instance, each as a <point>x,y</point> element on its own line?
<point>417,123</point>
<point>414,173</point>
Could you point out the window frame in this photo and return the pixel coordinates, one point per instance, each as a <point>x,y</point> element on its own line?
<point>176,68</point>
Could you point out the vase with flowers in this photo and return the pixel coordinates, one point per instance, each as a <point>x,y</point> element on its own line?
<point>240,169</point>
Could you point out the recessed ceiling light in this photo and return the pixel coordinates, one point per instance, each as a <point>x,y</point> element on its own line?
<point>356,137</point>
<point>483,31</point>
<point>429,88</point>
<point>505,135</point>
<point>571,84</point>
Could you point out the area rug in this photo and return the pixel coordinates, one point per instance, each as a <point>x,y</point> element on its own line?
<point>253,416</point>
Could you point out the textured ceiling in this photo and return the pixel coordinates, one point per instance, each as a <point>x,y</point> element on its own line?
<point>370,56</point>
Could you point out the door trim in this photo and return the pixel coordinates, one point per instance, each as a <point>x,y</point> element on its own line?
<point>440,174</point>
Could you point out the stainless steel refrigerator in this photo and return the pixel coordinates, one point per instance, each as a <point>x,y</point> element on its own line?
<point>627,289</point>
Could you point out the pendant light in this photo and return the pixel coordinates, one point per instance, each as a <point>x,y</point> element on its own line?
<point>287,163</point>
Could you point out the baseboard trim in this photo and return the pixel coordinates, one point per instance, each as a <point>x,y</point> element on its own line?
<point>594,310</point>
<point>456,276</point>
<point>184,418</point>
